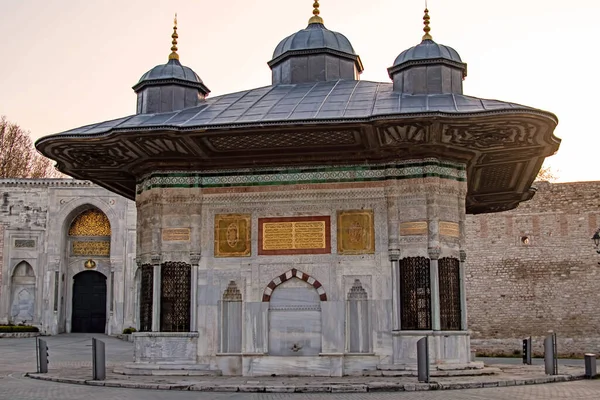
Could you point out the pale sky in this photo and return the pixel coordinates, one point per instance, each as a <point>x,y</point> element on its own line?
<point>68,63</point>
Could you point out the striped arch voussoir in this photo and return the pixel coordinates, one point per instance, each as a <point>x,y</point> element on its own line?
<point>294,273</point>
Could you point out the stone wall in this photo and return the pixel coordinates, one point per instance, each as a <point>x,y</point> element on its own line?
<point>34,218</point>
<point>1,254</point>
<point>534,269</point>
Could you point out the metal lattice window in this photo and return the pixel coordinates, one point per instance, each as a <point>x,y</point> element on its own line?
<point>450,312</point>
<point>175,297</point>
<point>146,295</point>
<point>415,294</point>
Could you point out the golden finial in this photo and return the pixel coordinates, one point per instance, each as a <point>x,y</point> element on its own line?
<point>426,29</point>
<point>315,19</point>
<point>174,55</point>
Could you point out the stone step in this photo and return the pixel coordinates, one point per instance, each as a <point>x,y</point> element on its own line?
<point>434,372</point>
<point>143,369</point>
<point>436,367</point>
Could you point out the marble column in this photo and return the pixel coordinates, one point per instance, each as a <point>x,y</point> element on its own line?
<point>156,293</point>
<point>195,262</point>
<point>434,251</point>
<point>463,296</point>
<point>434,287</point>
<point>396,305</point>
<point>393,225</point>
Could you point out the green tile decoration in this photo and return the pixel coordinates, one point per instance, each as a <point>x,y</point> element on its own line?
<point>429,167</point>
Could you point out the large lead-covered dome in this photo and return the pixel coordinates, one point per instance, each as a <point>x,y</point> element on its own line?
<point>428,49</point>
<point>314,54</point>
<point>171,71</point>
<point>314,37</point>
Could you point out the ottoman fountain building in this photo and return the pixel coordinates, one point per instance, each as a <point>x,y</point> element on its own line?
<point>314,226</point>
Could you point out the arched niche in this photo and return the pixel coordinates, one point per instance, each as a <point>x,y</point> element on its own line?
<point>22,308</point>
<point>89,234</point>
<point>295,319</point>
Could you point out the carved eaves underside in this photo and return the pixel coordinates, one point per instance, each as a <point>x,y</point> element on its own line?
<point>503,152</point>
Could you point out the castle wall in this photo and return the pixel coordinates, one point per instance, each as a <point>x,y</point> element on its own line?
<point>534,269</point>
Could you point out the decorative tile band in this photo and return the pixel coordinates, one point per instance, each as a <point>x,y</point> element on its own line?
<point>424,168</point>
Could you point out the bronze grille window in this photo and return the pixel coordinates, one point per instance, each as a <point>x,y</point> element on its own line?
<point>449,276</point>
<point>146,292</point>
<point>415,294</point>
<point>175,297</point>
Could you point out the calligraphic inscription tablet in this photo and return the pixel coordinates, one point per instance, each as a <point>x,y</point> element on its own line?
<point>91,248</point>
<point>294,235</point>
<point>176,235</point>
<point>413,228</point>
<point>355,232</point>
<point>232,235</point>
<point>449,229</point>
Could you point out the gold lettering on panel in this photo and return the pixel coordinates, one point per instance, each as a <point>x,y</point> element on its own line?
<point>293,235</point>
<point>355,232</point>
<point>232,235</point>
<point>449,229</point>
<point>413,228</point>
<point>176,235</point>
<point>99,248</point>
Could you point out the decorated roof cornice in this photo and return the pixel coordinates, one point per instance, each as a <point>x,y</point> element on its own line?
<point>44,182</point>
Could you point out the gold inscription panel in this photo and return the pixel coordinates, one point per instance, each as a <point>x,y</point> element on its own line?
<point>355,232</point>
<point>413,228</point>
<point>100,248</point>
<point>295,235</point>
<point>449,229</point>
<point>232,235</point>
<point>176,235</point>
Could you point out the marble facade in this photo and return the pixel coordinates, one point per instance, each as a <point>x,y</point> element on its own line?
<point>310,284</point>
<point>328,305</point>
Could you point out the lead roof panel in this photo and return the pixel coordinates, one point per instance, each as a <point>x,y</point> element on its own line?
<point>288,103</point>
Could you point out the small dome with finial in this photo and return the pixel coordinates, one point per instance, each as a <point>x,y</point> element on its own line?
<point>428,53</point>
<point>170,86</point>
<point>316,39</point>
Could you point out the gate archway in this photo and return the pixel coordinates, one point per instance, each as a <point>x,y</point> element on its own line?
<point>89,303</point>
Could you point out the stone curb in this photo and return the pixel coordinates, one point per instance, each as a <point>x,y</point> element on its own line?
<point>315,388</point>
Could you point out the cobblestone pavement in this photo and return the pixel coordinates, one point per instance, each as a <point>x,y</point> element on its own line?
<point>70,352</point>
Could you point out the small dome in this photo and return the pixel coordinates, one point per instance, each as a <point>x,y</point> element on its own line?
<point>428,50</point>
<point>171,70</point>
<point>314,37</point>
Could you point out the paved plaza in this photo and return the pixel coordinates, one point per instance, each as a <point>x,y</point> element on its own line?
<point>71,354</point>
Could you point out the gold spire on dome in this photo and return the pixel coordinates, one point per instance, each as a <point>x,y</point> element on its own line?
<point>426,29</point>
<point>315,19</point>
<point>174,55</point>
